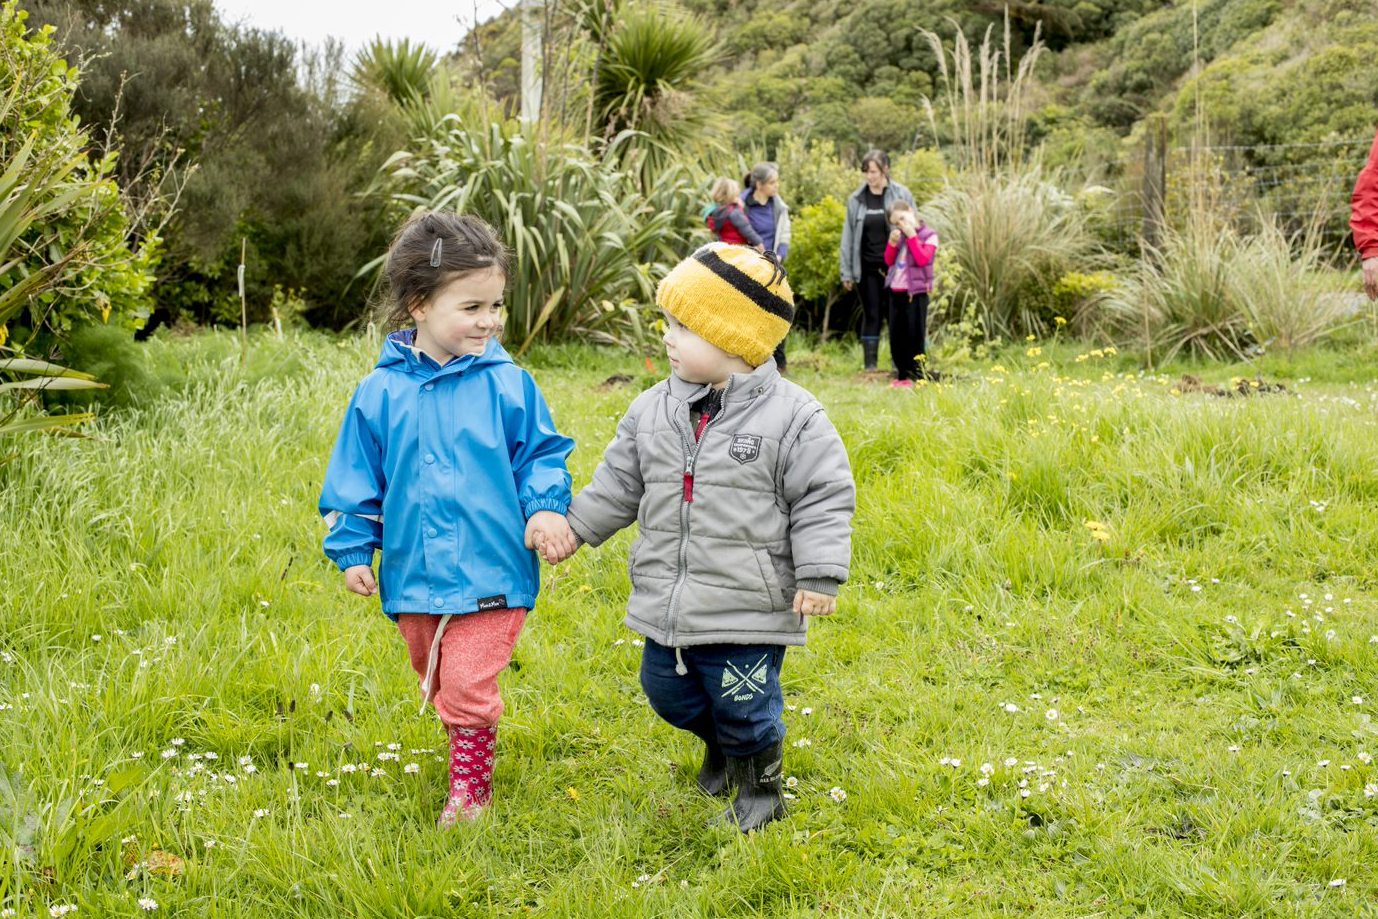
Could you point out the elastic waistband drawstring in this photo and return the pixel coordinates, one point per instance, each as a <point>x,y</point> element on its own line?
<point>432,661</point>
<point>679,663</point>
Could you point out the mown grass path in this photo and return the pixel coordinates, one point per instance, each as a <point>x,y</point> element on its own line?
<point>1109,649</point>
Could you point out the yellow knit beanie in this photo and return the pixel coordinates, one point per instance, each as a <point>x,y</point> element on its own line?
<point>732,297</point>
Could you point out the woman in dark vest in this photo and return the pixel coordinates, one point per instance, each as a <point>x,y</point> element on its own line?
<point>769,217</point>
<point>865,232</point>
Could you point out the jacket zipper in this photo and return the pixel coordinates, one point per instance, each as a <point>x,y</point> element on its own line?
<point>691,455</point>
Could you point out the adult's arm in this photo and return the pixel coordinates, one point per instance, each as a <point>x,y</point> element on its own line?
<point>783,233</point>
<point>1363,220</point>
<point>847,254</point>
<point>737,217</point>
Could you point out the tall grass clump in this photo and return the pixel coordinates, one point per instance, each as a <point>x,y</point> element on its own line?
<point>589,243</point>
<point>1273,269</point>
<point>1210,292</point>
<point>1012,230</point>
<point>1012,236</point>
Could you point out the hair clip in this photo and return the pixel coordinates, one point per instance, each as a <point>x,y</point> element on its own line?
<point>435,252</point>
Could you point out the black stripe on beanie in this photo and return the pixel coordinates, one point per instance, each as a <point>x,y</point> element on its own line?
<point>745,284</point>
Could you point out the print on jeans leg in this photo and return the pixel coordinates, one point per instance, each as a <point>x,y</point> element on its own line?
<point>742,687</point>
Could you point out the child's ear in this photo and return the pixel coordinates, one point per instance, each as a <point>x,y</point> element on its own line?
<point>416,308</point>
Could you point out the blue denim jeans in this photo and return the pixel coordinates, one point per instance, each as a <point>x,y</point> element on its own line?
<point>731,693</point>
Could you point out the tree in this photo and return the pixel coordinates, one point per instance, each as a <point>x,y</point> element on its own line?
<point>815,270</point>
<point>223,109</point>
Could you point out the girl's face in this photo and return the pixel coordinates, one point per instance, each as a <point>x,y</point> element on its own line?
<point>875,178</point>
<point>902,217</point>
<point>695,360</point>
<point>461,317</point>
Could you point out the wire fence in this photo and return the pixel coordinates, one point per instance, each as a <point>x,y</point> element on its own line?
<point>1302,185</point>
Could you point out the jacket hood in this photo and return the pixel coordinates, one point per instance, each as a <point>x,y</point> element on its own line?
<point>400,353</point>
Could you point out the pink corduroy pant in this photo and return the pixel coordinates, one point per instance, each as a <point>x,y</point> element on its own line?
<point>473,650</point>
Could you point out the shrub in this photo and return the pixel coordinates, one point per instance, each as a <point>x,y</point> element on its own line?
<point>1077,298</point>
<point>589,244</point>
<point>810,173</point>
<point>66,250</point>
<point>922,172</point>
<point>1012,236</point>
<point>814,271</point>
<point>1211,292</point>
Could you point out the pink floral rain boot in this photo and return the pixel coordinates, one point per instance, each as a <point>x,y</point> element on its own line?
<point>471,774</point>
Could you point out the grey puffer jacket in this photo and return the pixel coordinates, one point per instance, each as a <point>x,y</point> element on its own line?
<point>849,256</point>
<point>730,526</point>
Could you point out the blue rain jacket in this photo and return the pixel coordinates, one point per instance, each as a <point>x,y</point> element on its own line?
<point>440,467</point>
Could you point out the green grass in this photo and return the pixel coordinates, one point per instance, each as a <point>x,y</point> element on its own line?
<point>163,580</point>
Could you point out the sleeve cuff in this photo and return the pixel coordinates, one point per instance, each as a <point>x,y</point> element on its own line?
<point>557,505</point>
<point>354,558</point>
<point>825,586</point>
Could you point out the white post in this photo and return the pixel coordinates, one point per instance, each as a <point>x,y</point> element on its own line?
<point>532,12</point>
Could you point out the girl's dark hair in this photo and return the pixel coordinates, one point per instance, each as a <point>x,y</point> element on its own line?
<point>879,158</point>
<point>761,172</point>
<point>430,251</point>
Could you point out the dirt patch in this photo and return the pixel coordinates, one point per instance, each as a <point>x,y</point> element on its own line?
<point>614,381</point>
<point>1241,387</point>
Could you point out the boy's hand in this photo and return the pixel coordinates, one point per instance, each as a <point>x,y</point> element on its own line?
<point>359,580</point>
<point>808,603</point>
<point>549,534</point>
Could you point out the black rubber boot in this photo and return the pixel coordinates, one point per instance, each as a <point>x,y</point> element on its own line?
<point>713,772</point>
<point>758,781</point>
<point>869,350</point>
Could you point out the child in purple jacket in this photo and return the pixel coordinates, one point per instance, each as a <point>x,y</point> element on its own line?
<point>909,255</point>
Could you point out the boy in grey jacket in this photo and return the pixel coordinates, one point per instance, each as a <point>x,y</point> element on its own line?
<point>744,497</point>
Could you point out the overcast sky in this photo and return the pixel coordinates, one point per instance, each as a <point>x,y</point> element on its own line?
<point>437,23</point>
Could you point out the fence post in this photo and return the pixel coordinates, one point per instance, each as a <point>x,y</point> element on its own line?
<point>1155,181</point>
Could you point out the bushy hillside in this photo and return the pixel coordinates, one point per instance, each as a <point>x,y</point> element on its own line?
<point>856,73</point>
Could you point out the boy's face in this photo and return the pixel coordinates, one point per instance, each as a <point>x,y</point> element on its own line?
<point>694,360</point>
<point>461,317</point>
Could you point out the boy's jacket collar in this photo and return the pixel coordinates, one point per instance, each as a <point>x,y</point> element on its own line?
<point>742,386</point>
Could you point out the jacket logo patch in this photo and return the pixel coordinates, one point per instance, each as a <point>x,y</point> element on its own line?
<point>745,448</point>
<point>498,602</point>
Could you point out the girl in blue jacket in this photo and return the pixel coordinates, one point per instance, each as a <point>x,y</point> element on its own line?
<point>448,461</point>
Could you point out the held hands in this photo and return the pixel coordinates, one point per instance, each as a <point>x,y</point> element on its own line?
<point>359,579</point>
<point>1371,277</point>
<point>549,534</point>
<point>808,603</point>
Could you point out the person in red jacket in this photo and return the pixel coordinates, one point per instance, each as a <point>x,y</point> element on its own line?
<point>1363,220</point>
<point>727,217</point>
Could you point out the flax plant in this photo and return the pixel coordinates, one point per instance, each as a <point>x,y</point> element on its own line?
<point>589,243</point>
